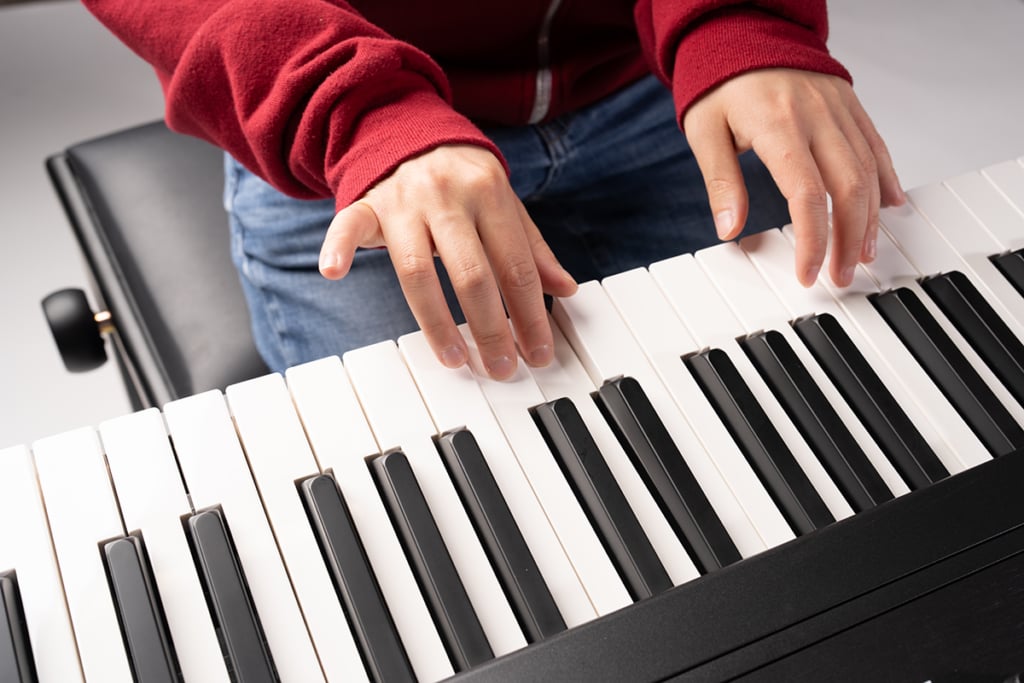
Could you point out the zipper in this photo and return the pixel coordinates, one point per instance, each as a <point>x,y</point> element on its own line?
<point>542,89</point>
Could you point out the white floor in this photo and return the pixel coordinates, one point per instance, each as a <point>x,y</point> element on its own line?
<point>942,79</point>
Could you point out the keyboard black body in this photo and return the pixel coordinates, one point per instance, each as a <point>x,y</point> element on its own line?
<point>927,587</point>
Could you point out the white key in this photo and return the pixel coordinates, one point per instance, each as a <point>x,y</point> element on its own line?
<point>961,228</point>
<point>153,501</point>
<point>1008,177</point>
<point>342,441</point>
<point>279,456</point>
<point>565,376</point>
<point>83,512</point>
<point>758,308</point>
<point>965,448</point>
<point>772,254</point>
<point>216,474</point>
<point>455,400</point>
<point>664,340</point>
<point>973,240</point>
<point>891,270</point>
<point>399,419</point>
<point>991,208</point>
<point>918,239</point>
<point>25,547</point>
<point>607,349</point>
<point>710,321</point>
<point>511,400</point>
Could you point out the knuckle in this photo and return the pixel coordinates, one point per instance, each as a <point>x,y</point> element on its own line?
<point>470,278</point>
<point>482,179</point>
<point>855,185</point>
<point>435,182</point>
<point>435,329</point>
<point>719,187</point>
<point>519,274</point>
<point>415,270</point>
<point>872,226</point>
<point>871,165</point>
<point>491,339</point>
<point>817,98</point>
<point>786,111</point>
<point>812,193</point>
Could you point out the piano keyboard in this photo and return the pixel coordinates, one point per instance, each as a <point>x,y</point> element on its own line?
<point>380,517</point>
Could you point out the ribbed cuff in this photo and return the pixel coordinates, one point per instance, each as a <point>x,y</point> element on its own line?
<point>738,41</point>
<point>391,134</point>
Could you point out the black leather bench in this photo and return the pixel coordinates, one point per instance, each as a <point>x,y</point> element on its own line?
<point>145,206</point>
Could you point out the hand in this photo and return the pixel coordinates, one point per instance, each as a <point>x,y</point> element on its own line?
<point>814,137</point>
<point>456,201</point>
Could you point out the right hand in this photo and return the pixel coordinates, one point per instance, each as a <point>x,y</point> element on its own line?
<point>815,138</point>
<point>455,201</point>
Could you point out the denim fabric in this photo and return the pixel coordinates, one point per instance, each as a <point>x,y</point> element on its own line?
<point>612,187</point>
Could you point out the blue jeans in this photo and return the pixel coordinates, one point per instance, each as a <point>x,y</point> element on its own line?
<point>612,187</point>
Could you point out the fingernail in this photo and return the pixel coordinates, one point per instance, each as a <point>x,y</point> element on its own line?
<point>541,356</point>
<point>329,260</point>
<point>871,249</point>
<point>724,222</point>
<point>812,275</point>
<point>453,357</point>
<point>501,367</point>
<point>846,277</point>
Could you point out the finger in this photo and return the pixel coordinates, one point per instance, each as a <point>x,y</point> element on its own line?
<point>554,279</point>
<point>848,184</point>
<point>861,147</point>
<point>869,249</point>
<point>411,252</point>
<point>457,241</point>
<point>713,148</point>
<point>354,226</point>
<point>788,158</point>
<point>892,193</point>
<point>508,249</point>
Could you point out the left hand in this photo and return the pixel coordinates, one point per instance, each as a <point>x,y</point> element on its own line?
<point>816,140</point>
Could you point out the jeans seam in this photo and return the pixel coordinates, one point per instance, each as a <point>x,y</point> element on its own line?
<point>554,135</point>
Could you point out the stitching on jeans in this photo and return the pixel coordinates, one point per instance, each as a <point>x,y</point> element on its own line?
<point>555,136</point>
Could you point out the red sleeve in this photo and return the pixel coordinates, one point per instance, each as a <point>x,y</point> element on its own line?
<point>694,46</point>
<point>305,93</point>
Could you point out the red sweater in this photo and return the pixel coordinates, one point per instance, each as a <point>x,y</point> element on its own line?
<point>323,98</point>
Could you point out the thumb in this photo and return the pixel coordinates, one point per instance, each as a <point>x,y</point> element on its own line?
<point>717,158</point>
<point>354,226</point>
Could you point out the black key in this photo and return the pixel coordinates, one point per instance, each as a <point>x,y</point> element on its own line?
<point>872,402</point>
<point>16,663</point>
<point>1011,265</point>
<point>368,614</point>
<point>599,494</point>
<point>138,610</point>
<point>227,593</point>
<point>816,419</point>
<point>650,448</point>
<point>981,326</point>
<point>446,596</point>
<point>757,437</point>
<point>950,371</point>
<point>510,556</point>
